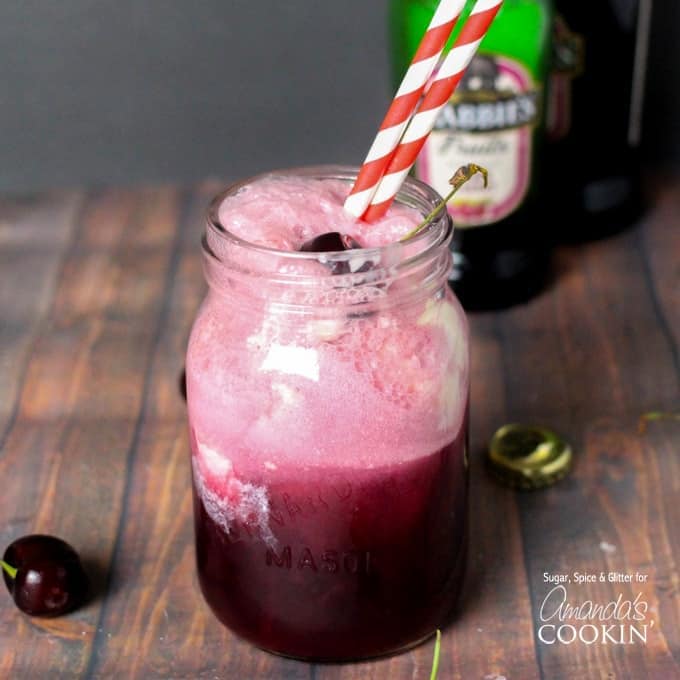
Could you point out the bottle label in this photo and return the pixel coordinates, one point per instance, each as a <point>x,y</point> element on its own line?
<point>488,121</point>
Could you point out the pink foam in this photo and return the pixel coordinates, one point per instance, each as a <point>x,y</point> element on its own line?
<point>274,400</point>
<point>284,213</point>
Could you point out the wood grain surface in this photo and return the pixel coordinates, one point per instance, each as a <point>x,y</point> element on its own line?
<point>97,294</point>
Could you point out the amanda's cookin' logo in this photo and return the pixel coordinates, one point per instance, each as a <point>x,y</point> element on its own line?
<point>616,622</point>
<point>487,101</point>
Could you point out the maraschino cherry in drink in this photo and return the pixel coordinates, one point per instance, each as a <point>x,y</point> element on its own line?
<point>327,396</point>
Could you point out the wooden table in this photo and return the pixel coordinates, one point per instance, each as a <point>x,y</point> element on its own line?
<point>97,294</point>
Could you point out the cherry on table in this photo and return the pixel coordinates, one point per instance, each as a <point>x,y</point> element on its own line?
<point>44,575</point>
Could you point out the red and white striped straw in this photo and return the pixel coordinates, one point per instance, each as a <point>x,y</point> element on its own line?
<point>437,95</point>
<point>403,105</point>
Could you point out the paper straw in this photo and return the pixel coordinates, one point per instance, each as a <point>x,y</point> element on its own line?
<point>403,105</point>
<point>438,94</point>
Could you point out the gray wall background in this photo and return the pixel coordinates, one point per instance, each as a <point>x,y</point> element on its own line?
<point>97,91</point>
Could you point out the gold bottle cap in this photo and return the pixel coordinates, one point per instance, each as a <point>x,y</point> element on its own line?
<point>528,457</point>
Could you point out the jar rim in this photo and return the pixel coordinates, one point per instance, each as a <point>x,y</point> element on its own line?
<point>232,263</point>
<point>428,237</point>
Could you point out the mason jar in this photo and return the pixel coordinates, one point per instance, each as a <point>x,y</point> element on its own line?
<point>328,398</point>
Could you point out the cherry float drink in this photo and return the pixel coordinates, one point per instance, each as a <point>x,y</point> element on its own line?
<point>327,397</point>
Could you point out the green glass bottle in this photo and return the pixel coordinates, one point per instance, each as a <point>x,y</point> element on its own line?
<point>494,119</point>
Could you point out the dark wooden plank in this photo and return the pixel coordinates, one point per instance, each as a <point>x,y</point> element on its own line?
<point>34,232</point>
<point>495,614</point>
<point>588,360</point>
<point>68,449</point>
<point>660,244</point>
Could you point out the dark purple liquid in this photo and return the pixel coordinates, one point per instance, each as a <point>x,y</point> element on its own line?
<point>367,561</point>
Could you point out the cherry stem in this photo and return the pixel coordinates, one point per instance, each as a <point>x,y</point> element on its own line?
<point>461,176</point>
<point>12,571</point>
<point>661,415</point>
<point>646,418</point>
<point>435,658</point>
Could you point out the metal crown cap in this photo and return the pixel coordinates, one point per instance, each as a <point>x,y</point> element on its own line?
<point>528,457</point>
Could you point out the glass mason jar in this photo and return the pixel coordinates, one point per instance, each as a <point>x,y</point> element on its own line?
<point>328,401</point>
